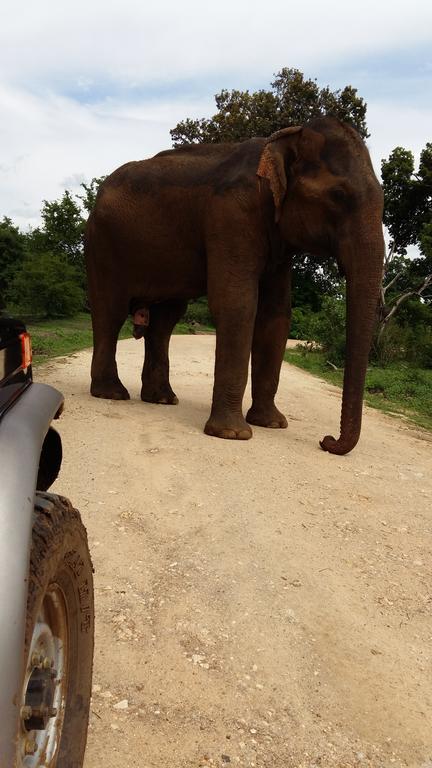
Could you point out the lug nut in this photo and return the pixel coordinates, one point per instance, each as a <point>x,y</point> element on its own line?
<point>36,660</point>
<point>30,747</point>
<point>26,712</point>
<point>53,711</point>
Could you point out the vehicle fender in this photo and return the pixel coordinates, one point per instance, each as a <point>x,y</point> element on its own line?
<point>22,433</point>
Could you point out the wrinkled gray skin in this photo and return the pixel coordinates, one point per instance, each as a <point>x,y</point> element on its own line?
<point>225,220</point>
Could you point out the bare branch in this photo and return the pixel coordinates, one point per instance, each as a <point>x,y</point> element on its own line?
<point>392,282</point>
<point>386,313</point>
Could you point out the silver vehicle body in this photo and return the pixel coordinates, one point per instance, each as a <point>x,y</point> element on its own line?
<point>22,432</point>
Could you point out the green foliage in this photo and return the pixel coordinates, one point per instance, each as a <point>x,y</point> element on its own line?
<point>397,174</point>
<point>425,244</point>
<point>63,227</point>
<point>292,100</point>
<point>399,388</point>
<point>198,312</point>
<point>12,253</point>
<point>327,328</point>
<point>402,383</point>
<point>46,285</point>
<point>408,198</point>
<point>408,217</point>
<point>301,323</point>
<point>88,199</point>
<point>312,280</point>
<point>407,339</point>
<point>64,336</point>
<point>61,233</point>
<point>406,342</point>
<point>30,262</point>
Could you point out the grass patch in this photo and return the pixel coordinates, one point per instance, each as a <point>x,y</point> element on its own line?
<point>398,389</point>
<point>64,336</point>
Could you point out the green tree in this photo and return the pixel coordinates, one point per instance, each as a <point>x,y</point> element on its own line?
<point>408,217</point>
<point>12,253</point>
<point>88,199</point>
<point>63,225</point>
<point>46,285</point>
<point>42,271</point>
<point>292,99</point>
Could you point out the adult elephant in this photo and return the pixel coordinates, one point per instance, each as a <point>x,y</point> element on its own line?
<point>225,220</point>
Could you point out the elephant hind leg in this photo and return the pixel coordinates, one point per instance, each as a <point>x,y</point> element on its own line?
<point>156,386</point>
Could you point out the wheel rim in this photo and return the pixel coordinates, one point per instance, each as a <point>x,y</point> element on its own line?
<point>45,683</point>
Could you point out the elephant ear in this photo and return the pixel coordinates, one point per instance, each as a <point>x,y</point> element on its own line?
<point>279,147</point>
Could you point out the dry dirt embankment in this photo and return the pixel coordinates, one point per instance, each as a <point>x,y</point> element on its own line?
<point>259,603</point>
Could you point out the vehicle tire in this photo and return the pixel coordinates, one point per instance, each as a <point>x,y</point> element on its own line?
<point>59,639</point>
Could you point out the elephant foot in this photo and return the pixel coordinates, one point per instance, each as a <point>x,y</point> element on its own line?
<point>167,397</point>
<point>110,390</point>
<point>228,429</point>
<point>269,417</point>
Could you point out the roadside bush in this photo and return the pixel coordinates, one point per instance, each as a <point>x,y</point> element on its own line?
<point>418,348</point>
<point>12,253</point>
<point>198,312</point>
<point>401,383</point>
<point>413,344</point>
<point>301,320</point>
<point>327,327</point>
<point>390,346</point>
<point>46,285</point>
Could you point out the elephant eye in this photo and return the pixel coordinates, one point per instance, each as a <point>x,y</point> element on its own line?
<point>338,194</point>
<point>342,197</point>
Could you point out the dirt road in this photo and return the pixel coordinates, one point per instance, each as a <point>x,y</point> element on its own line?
<point>259,603</point>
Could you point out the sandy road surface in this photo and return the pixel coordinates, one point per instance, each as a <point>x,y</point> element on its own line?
<point>259,603</point>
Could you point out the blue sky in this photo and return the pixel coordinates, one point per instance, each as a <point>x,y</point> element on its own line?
<point>87,86</point>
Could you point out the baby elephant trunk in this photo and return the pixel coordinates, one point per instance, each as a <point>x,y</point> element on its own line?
<point>141,320</point>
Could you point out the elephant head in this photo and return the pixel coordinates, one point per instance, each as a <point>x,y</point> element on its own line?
<point>328,202</point>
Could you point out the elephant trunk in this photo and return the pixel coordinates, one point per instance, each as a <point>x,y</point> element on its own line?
<point>363,280</point>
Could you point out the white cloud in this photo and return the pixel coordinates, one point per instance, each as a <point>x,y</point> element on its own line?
<point>397,125</point>
<point>143,42</point>
<point>54,142</point>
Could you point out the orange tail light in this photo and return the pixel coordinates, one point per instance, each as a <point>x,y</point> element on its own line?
<point>26,350</point>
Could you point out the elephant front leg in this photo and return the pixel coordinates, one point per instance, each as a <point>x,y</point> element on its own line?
<point>234,314</point>
<point>271,332</point>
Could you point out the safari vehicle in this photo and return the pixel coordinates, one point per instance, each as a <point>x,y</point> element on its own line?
<point>46,582</point>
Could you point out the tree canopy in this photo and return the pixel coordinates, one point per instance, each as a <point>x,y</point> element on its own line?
<point>408,217</point>
<point>291,100</point>
<point>407,198</point>
<point>12,253</point>
<point>42,271</point>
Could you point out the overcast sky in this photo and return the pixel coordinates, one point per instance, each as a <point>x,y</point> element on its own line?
<point>86,86</point>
